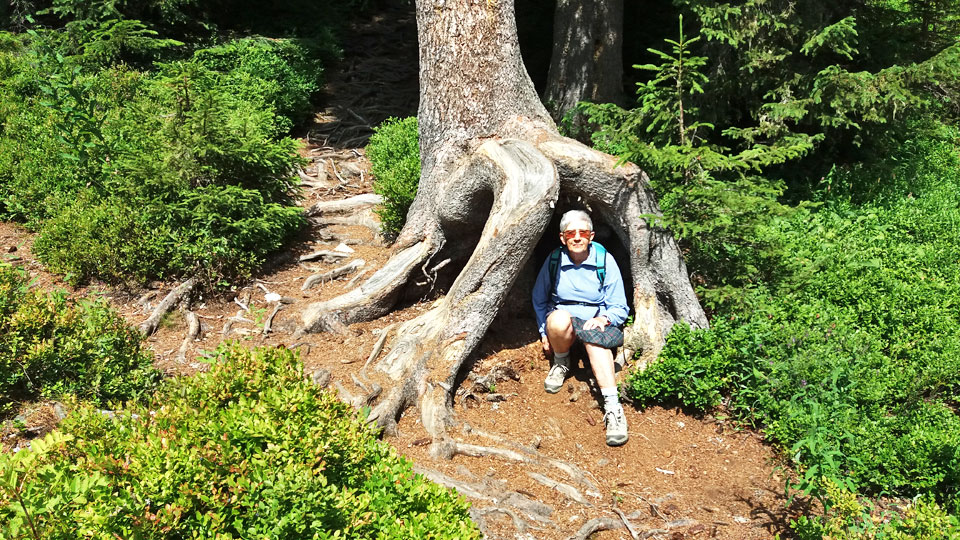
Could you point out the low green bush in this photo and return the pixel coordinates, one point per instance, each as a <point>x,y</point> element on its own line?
<point>850,359</point>
<point>394,152</point>
<point>849,518</point>
<point>51,346</point>
<point>282,72</point>
<point>250,449</point>
<point>131,175</point>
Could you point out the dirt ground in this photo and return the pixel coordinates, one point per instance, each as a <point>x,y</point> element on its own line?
<point>679,476</point>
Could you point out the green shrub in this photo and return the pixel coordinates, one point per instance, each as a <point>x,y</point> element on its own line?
<point>51,346</point>
<point>249,450</point>
<point>394,153</point>
<point>284,73</point>
<point>850,359</point>
<point>848,518</point>
<point>130,176</point>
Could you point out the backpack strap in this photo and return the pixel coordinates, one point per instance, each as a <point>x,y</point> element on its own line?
<point>601,254</point>
<point>554,265</point>
<point>554,268</point>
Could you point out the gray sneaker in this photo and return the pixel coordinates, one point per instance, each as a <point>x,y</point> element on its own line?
<point>616,427</point>
<point>555,378</point>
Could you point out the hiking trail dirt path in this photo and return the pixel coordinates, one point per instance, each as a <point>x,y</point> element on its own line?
<point>534,465</point>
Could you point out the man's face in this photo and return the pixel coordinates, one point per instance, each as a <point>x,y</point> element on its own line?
<point>577,237</point>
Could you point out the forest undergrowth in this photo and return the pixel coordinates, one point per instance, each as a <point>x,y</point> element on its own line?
<point>814,192</point>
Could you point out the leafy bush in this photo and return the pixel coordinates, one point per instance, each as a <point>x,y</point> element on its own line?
<point>283,73</point>
<point>394,153</point>
<point>847,518</point>
<point>249,450</point>
<point>131,176</point>
<point>850,359</point>
<point>50,346</point>
<point>713,198</point>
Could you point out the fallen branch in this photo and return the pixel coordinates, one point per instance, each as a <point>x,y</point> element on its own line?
<point>149,326</point>
<point>348,268</point>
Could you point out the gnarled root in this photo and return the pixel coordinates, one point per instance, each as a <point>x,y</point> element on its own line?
<point>429,350</point>
<point>149,326</point>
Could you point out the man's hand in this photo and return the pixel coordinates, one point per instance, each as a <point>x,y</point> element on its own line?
<point>546,345</point>
<point>600,322</point>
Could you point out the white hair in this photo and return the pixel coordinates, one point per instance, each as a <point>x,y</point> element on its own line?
<point>574,215</point>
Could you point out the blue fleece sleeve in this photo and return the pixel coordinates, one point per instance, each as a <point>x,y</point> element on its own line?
<point>542,301</point>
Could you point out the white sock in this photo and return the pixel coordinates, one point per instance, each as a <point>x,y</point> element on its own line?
<point>611,400</point>
<point>562,359</point>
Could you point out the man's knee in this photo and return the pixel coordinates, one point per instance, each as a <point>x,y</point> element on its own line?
<point>559,321</point>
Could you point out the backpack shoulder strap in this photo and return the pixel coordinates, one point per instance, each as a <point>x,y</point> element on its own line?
<point>601,262</point>
<point>554,268</point>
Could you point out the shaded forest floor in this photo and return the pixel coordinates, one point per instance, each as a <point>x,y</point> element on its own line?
<point>679,476</point>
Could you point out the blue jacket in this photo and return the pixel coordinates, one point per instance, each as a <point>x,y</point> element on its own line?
<point>579,283</point>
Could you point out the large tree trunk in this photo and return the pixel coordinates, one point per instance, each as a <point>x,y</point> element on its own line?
<point>587,61</point>
<point>485,136</point>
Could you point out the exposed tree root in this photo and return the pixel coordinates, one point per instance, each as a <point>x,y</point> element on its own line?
<point>502,499</point>
<point>344,270</point>
<point>567,490</point>
<point>268,324</point>
<point>478,515</point>
<point>595,525</point>
<point>193,330</point>
<point>149,326</point>
<point>626,523</point>
<point>363,218</point>
<point>352,204</point>
<point>325,255</point>
<point>577,475</point>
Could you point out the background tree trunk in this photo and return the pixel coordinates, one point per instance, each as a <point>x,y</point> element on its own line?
<point>587,61</point>
<point>493,168</point>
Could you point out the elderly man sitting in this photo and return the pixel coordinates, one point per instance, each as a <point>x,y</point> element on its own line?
<point>579,295</point>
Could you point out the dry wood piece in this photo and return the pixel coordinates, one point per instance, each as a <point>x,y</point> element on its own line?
<point>594,525</point>
<point>348,268</point>
<point>324,255</point>
<point>351,204</point>
<point>193,330</point>
<point>149,326</point>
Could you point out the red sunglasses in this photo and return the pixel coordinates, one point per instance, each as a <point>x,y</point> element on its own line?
<point>572,233</point>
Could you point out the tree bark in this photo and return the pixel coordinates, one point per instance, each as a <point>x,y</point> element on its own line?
<point>587,60</point>
<point>484,135</point>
